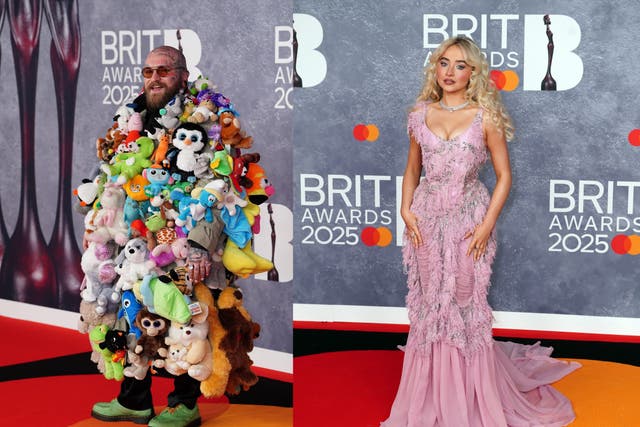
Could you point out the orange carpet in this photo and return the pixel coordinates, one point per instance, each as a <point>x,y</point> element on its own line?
<point>356,389</point>
<point>604,394</point>
<point>220,414</point>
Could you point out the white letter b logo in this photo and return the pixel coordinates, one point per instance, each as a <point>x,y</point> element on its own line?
<point>567,67</point>
<point>311,65</point>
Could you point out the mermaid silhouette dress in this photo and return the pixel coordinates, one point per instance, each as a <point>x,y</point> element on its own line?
<point>454,374</point>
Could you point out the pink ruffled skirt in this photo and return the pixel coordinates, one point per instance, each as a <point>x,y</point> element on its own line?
<point>505,384</point>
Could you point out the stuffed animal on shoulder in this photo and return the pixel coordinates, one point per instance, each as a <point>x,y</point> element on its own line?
<point>169,115</point>
<point>189,139</point>
<point>204,112</point>
<point>230,130</point>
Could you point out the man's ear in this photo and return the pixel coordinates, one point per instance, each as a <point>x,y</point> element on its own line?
<point>185,82</point>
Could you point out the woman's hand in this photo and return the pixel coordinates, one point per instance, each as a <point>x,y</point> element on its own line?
<point>479,238</point>
<point>411,224</point>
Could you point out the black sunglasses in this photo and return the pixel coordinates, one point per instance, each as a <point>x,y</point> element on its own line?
<point>162,70</point>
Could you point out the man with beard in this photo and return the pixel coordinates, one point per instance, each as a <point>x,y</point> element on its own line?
<point>165,76</point>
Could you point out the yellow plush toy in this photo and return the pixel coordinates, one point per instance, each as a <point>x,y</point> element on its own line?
<point>216,384</point>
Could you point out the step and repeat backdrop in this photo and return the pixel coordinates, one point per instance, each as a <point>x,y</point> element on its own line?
<point>49,128</point>
<point>569,233</point>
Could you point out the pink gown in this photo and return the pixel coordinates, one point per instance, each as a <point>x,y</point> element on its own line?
<point>454,374</point>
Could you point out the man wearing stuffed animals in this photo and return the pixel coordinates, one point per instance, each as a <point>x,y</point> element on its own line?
<point>165,76</point>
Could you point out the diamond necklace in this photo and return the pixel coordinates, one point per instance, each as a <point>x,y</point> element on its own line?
<point>455,108</point>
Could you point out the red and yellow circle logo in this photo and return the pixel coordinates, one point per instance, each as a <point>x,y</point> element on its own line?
<point>380,236</point>
<point>362,132</point>
<point>505,80</point>
<point>623,245</point>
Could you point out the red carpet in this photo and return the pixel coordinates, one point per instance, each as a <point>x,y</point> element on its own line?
<point>64,400</point>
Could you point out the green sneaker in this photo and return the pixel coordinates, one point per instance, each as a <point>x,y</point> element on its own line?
<point>180,416</point>
<point>114,411</point>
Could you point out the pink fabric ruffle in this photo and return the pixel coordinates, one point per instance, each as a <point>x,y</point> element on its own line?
<point>505,384</point>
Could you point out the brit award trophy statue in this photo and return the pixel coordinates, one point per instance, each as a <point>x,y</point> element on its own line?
<point>548,83</point>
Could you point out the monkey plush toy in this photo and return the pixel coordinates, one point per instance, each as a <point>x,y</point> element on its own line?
<point>153,329</point>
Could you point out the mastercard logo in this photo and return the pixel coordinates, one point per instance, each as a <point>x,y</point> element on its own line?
<point>505,80</point>
<point>372,236</point>
<point>362,132</point>
<point>623,245</point>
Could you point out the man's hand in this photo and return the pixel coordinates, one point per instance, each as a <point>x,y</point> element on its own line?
<point>199,264</point>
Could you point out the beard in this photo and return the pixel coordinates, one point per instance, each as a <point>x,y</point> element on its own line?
<point>156,101</point>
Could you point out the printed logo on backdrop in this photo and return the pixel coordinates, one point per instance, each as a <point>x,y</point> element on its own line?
<point>496,35</point>
<point>593,216</point>
<point>123,53</point>
<point>339,209</point>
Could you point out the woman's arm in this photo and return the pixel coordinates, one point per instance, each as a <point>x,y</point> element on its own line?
<point>497,145</point>
<point>410,181</point>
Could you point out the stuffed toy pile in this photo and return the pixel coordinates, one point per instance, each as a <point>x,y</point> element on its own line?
<point>139,305</point>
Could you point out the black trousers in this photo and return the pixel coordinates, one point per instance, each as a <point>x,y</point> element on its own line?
<point>136,394</point>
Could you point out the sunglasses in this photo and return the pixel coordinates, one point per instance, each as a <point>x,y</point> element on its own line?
<point>162,70</point>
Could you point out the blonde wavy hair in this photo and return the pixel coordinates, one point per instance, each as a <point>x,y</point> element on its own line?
<point>481,91</point>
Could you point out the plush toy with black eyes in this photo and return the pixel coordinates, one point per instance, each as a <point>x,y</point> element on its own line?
<point>189,139</point>
<point>153,329</point>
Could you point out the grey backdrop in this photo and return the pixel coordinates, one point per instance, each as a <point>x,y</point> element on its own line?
<point>374,54</point>
<point>237,40</point>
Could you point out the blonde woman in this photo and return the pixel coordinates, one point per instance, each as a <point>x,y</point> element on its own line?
<point>454,373</point>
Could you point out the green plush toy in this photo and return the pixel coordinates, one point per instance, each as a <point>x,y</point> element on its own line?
<point>161,296</point>
<point>111,344</point>
<point>128,165</point>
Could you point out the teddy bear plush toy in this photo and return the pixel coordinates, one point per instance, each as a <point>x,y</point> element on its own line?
<point>197,361</point>
<point>204,112</point>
